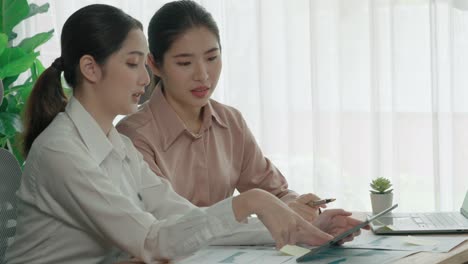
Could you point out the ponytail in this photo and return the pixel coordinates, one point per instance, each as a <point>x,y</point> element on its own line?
<point>96,30</point>
<point>46,100</point>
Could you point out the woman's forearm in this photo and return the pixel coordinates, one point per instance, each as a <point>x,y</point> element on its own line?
<point>253,201</point>
<point>249,202</point>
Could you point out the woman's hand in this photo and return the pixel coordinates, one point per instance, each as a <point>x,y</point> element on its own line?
<point>336,221</point>
<point>301,207</point>
<point>285,226</point>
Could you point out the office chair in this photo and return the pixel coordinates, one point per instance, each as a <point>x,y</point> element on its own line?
<point>10,177</point>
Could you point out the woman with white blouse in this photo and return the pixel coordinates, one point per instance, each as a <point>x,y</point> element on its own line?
<point>87,195</point>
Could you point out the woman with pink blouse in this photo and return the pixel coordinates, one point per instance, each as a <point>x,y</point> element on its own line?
<point>204,148</point>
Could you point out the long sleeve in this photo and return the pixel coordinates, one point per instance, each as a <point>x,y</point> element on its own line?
<point>85,197</point>
<point>186,228</point>
<point>258,171</point>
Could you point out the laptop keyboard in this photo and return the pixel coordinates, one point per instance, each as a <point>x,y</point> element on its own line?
<point>440,220</point>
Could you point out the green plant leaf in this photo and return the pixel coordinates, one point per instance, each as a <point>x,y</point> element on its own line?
<point>13,104</point>
<point>14,61</point>
<point>10,124</point>
<point>3,42</point>
<point>12,36</point>
<point>30,44</point>
<point>12,91</point>
<point>12,12</point>
<point>36,70</point>
<point>21,91</point>
<point>16,145</point>
<point>35,9</point>
<point>24,92</point>
<point>4,104</point>
<point>3,140</point>
<point>8,81</point>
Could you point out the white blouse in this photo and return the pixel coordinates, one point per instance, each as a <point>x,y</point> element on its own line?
<point>85,197</point>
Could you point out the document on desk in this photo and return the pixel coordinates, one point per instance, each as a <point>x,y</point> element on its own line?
<point>268,255</point>
<point>239,254</point>
<point>436,243</point>
<point>335,255</point>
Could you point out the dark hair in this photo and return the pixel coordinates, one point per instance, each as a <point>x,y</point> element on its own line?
<point>96,30</point>
<point>172,20</point>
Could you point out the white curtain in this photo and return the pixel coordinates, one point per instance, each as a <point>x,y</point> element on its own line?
<point>338,92</point>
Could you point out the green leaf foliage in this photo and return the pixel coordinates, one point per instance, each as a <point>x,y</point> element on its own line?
<point>12,12</point>
<point>14,61</point>
<point>16,144</point>
<point>35,9</point>
<point>3,42</point>
<point>30,44</point>
<point>10,124</point>
<point>24,93</point>
<point>12,106</point>
<point>21,59</point>
<point>21,92</point>
<point>37,69</point>
<point>8,81</point>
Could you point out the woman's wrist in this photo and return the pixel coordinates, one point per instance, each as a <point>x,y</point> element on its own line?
<point>247,203</point>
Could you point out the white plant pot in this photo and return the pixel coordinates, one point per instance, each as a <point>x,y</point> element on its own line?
<point>381,202</point>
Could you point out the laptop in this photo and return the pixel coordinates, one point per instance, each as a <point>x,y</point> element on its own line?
<point>424,223</point>
<point>334,242</point>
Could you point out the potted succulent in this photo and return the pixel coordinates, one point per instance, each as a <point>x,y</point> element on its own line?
<point>381,195</point>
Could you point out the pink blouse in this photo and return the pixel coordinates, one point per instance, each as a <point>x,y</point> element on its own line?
<point>204,168</point>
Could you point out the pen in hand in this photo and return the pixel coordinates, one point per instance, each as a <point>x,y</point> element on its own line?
<point>320,202</point>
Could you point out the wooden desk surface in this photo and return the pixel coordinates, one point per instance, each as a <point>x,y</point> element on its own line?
<point>458,255</point>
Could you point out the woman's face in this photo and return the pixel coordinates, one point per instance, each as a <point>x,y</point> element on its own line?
<point>191,68</point>
<point>125,76</point>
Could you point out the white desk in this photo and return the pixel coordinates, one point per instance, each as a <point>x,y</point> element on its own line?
<point>457,255</point>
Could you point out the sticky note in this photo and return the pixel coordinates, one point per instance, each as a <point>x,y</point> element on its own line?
<point>420,241</point>
<point>294,250</point>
